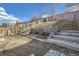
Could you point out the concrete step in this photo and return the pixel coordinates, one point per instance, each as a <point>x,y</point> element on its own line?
<point>69,38</point>
<point>70,31</point>
<point>68,34</point>
<point>63,43</point>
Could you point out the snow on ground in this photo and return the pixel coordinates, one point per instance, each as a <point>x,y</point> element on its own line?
<point>54,53</point>
<point>32,54</point>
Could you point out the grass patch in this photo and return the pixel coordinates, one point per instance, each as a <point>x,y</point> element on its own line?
<point>68,25</point>
<point>61,24</point>
<point>44,25</point>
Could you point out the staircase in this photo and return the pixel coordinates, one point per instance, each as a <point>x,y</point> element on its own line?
<point>66,38</point>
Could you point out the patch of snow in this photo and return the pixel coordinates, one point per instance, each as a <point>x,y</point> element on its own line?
<point>32,54</point>
<point>54,53</point>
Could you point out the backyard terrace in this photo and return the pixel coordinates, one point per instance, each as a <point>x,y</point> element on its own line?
<point>24,46</point>
<point>43,35</point>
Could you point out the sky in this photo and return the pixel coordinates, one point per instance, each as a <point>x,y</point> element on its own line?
<point>24,11</point>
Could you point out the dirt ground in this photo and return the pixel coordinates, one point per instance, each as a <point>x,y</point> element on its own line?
<point>15,41</point>
<point>34,47</point>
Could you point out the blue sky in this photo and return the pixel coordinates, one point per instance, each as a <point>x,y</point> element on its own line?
<point>25,10</point>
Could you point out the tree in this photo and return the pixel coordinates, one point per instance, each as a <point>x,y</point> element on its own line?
<point>4,25</point>
<point>54,9</point>
<point>46,11</point>
<point>34,17</point>
<point>17,22</point>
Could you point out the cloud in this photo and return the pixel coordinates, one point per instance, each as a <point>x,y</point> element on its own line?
<point>5,16</point>
<point>3,13</point>
<point>2,9</point>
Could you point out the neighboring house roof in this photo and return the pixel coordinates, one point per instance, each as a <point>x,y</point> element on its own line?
<point>44,16</point>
